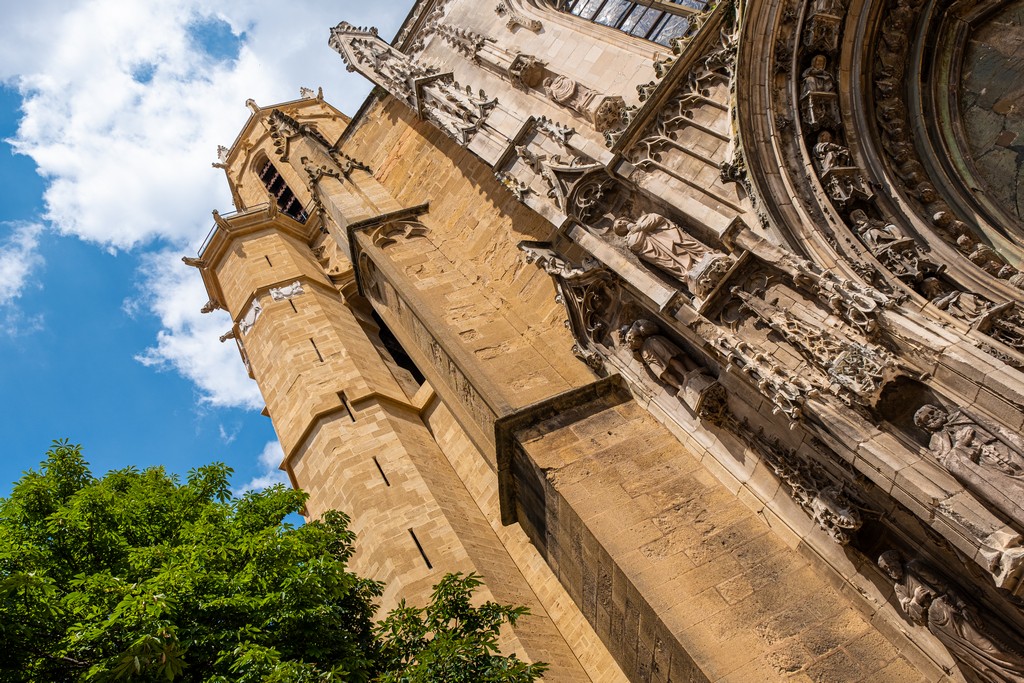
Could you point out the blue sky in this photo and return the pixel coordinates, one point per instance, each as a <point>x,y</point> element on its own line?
<point>110,114</point>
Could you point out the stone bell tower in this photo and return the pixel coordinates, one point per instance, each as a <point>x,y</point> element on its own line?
<point>353,413</point>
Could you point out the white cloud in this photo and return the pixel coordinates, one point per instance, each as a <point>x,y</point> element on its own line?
<point>189,342</point>
<point>129,162</point>
<point>270,459</point>
<point>228,437</point>
<point>19,260</point>
<point>19,257</point>
<point>122,113</point>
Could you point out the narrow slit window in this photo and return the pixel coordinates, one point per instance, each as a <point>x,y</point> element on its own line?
<point>348,409</point>
<point>426,560</point>
<point>381,470</point>
<point>318,354</point>
<point>294,310</point>
<point>268,261</point>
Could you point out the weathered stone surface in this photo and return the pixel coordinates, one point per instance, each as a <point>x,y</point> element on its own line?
<point>642,339</point>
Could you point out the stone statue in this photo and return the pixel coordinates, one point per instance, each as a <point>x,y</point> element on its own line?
<point>603,111</point>
<point>990,465</point>
<point>819,104</point>
<point>660,242</point>
<point>896,251</point>
<point>877,234</point>
<point>250,317</point>
<point>673,367</point>
<point>929,601</point>
<point>561,89</point>
<point>828,154</point>
<point>981,255</point>
<point>962,305</point>
<point>948,224</point>
<point>666,361</point>
<point>843,183</point>
<point>288,292</point>
<point>816,78</point>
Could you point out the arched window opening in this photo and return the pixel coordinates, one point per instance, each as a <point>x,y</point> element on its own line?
<point>656,20</point>
<point>287,202</point>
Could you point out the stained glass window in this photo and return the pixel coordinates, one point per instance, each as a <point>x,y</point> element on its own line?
<point>656,20</point>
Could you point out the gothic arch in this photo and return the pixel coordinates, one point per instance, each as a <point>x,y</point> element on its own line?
<point>832,99</point>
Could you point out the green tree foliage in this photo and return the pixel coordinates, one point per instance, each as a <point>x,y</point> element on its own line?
<point>450,640</point>
<point>137,576</point>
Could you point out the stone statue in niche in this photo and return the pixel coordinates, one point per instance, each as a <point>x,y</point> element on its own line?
<point>983,459</point>
<point>673,367</point>
<point>660,242</point>
<point>971,638</point>
<point>828,154</point>
<point>875,233</point>
<point>947,223</point>
<point>669,363</point>
<point>981,255</point>
<point>843,182</point>
<point>963,305</point>
<point>1011,275</point>
<point>896,251</point>
<point>819,104</point>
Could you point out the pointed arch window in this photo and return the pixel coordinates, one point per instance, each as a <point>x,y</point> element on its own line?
<point>656,20</point>
<point>287,202</point>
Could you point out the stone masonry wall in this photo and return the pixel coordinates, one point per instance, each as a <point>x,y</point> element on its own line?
<point>679,578</point>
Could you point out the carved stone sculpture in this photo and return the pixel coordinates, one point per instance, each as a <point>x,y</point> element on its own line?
<point>284,293</point>
<point>250,317</point>
<point>673,367</point>
<point>819,104</point>
<point>517,18</point>
<point>789,391</point>
<point>959,304</point>
<point>436,97</point>
<point>983,459</point>
<point>843,182</point>
<point>855,371</point>
<point>892,248</point>
<point>971,638</point>
<point>603,111</point>
<point>525,71</point>
<point>811,488</point>
<point>660,242</point>
<point>210,306</point>
<point>828,154</point>
<point>823,27</point>
<point>663,358</point>
<point>981,255</point>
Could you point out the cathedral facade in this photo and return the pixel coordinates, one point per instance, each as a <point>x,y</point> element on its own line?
<point>696,329</point>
